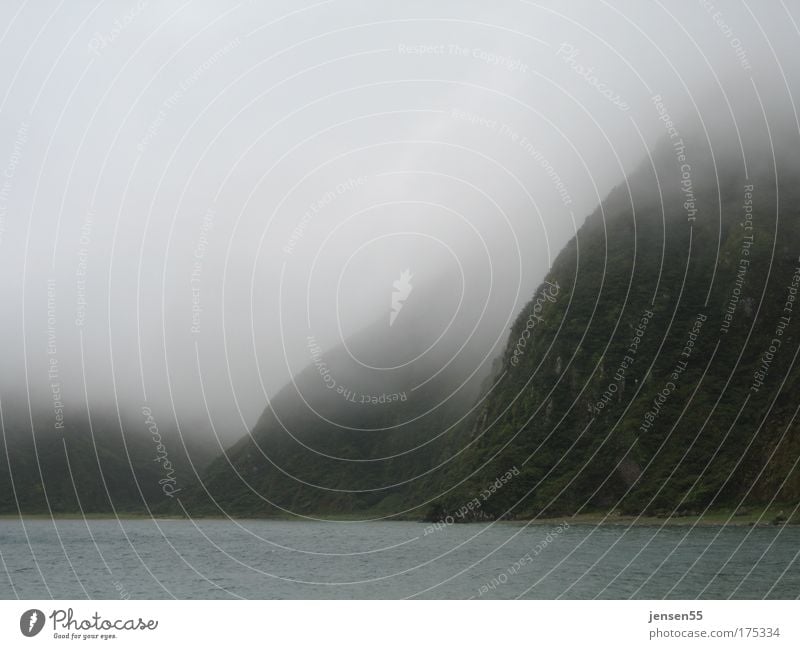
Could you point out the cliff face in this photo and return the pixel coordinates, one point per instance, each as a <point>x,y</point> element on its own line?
<point>655,368</point>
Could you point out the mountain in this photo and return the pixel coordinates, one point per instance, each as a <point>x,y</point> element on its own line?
<point>100,465</point>
<point>363,427</point>
<point>653,372</point>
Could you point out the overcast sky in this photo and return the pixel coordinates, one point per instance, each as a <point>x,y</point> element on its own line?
<point>188,191</point>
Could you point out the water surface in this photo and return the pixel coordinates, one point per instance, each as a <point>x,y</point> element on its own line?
<point>144,559</point>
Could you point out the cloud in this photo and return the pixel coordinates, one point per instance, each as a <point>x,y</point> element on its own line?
<point>186,194</point>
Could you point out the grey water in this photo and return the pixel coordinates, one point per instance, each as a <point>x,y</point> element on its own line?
<point>209,559</point>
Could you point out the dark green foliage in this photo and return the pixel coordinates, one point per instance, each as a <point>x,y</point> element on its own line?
<point>574,450</point>
<point>702,449</point>
<point>93,470</point>
<point>577,416</point>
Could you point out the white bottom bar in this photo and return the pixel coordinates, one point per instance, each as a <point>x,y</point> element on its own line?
<point>404,624</point>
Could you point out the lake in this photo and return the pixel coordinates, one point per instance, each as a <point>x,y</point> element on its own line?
<point>208,559</point>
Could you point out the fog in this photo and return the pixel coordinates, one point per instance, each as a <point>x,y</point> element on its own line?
<point>190,191</point>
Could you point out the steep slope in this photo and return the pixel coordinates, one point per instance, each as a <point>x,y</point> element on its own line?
<point>660,376</point>
<point>653,372</point>
<point>362,427</point>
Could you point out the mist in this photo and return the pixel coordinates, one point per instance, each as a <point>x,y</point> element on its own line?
<point>190,193</point>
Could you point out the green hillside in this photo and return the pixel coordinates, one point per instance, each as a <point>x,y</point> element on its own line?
<point>653,373</point>
<point>634,381</point>
<point>114,464</point>
<point>641,388</point>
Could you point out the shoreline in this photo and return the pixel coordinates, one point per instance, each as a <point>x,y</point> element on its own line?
<point>773,517</point>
